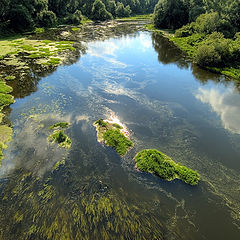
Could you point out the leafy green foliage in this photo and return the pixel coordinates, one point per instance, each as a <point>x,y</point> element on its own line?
<point>5,100</point>
<point>5,88</point>
<point>170,14</point>
<point>114,138</point>
<point>110,134</point>
<point>61,138</point>
<point>99,11</point>
<point>60,124</point>
<point>156,162</point>
<point>47,18</point>
<point>101,123</point>
<point>122,11</point>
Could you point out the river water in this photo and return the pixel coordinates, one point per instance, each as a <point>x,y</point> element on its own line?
<point>168,104</point>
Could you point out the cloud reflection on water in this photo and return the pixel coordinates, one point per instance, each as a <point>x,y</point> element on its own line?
<point>226,105</point>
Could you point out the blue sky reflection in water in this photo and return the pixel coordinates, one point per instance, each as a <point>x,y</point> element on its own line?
<point>167,104</point>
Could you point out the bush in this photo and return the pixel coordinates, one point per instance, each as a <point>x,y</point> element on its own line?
<point>47,18</point>
<point>20,19</point>
<point>74,18</point>
<point>185,31</point>
<point>207,55</point>
<point>99,11</point>
<point>207,23</point>
<point>170,14</point>
<point>122,11</point>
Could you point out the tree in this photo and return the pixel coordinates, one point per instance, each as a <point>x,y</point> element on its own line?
<point>47,18</point>
<point>122,11</point>
<point>99,11</point>
<point>20,19</point>
<point>170,14</point>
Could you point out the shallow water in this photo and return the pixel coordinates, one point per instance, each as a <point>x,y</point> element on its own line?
<point>168,104</point>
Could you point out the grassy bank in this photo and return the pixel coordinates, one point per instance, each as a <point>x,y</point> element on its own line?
<point>17,52</point>
<point>191,45</point>
<point>5,131</point>
<point>156,162</point>
<point>136,18</point>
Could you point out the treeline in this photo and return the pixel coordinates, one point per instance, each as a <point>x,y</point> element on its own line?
<point>209,30</point>
<point>221,15</point>
<point>23,15</point>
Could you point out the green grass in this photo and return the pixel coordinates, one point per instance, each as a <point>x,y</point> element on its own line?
<point>60,124</point>
<point>136,17</point>
<point>9,78</point>
<point>4,88</point>
<point>189,44</point>
<point>115,139</point>
<point>28,48</point>
<point>75,29</point>
<point>53,61</point>
<point>6,99</point>
<point>110,134</point>
<point>156,162</point>
<point>39,30</point>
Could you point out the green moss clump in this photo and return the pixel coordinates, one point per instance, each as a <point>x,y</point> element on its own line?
<point>5,100</point>
<point>39,30</point>
<point>53,61</point>
<point>156,162</point>
<point>9,78</point>
<point>4,88</point>
<point>75,29</point>
<point>61,138</point>
<point>60,124</point>
<point>110,134</point>
<point>28,48</point>
<point>115,139</point>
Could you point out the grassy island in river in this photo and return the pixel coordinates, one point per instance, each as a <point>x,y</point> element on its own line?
<point>156,162</point>
<point>112,135</point>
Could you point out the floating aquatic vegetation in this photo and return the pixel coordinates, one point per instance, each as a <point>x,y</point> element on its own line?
<point>60,124</point>
<point>112,134</point>
<point>59,136</point>
<point>156,162</point>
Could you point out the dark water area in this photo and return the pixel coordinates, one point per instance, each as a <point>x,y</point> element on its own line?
<point>89,192</point>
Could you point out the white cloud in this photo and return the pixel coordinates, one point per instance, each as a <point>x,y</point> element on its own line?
<point>226,105</point>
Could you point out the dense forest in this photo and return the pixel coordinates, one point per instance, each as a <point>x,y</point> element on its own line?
<point>208,30</point>
<point>24,15</point>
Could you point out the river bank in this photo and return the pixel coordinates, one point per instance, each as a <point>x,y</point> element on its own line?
<point>190,45</point>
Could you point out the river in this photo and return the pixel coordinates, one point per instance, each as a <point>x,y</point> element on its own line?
<point>167,103</point>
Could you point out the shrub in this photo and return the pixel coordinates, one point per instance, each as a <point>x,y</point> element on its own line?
<point>170,14</point>
<point>207,23</point>
<point>99,11</point>
<point>185,31</point>
<point>74,18</point>
<point>47,18</point>
<point>207,55</point>
<point>21,19</point>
